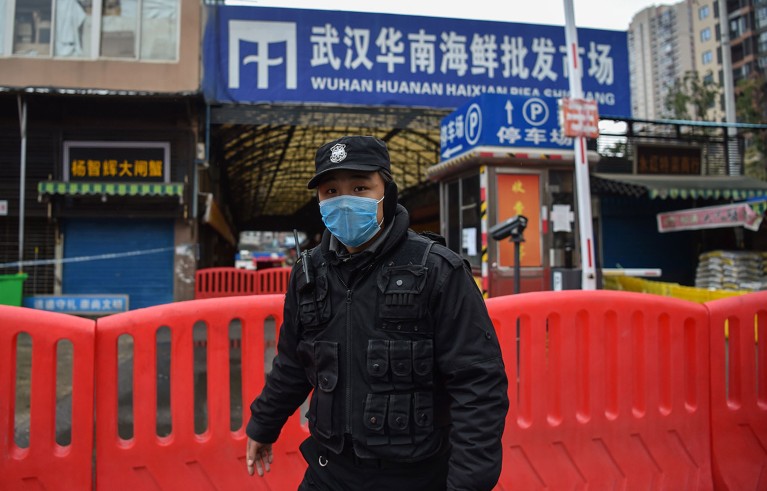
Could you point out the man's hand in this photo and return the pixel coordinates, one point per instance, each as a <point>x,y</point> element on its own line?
<point>258,456</point>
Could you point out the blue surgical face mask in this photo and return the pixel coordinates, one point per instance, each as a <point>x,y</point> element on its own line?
<point>352,219</point>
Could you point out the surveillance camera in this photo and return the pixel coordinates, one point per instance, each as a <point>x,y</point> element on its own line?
<point>513,227</point>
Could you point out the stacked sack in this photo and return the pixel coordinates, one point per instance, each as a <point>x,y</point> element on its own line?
<point>732,270</point>
<point>764,270</point>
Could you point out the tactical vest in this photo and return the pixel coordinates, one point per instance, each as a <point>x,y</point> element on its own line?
<point>377,338</point>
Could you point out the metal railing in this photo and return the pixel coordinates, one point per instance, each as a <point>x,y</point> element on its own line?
<point>722,145</point>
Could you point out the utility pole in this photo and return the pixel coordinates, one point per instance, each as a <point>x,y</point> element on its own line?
<point>729,87</point>
<point>23,174</point>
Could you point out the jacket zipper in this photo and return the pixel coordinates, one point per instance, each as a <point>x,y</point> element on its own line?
<point>348,410</point>
<point>348,422</point>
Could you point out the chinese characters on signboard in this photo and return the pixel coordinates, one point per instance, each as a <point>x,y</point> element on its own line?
<point>97,304</point>
<point>519,194</point>
<point>255,54</point>
<point>669,159</point>
<point>502,121</point>
<point>117,161</point>
<point>580,118</point>
<point>732,215</point>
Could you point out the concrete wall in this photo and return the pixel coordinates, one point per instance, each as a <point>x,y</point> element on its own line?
<point>182,75</point>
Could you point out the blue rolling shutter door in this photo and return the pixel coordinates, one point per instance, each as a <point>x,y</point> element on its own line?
<point>147,278</point>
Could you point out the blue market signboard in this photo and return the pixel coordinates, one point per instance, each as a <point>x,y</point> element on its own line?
<point>503,121</point>
<point>275,55</point>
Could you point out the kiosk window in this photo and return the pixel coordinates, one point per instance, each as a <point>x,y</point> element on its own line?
<point>452,200</point>
<point>463,218</point>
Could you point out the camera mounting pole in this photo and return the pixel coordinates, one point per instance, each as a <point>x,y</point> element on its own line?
<point>517,239</point>
<point>514,229</point>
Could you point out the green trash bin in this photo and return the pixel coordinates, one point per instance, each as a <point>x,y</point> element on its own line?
<point>11,287</point>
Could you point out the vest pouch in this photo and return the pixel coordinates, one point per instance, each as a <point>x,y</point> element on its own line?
<point>423,363</point>
<point>399,419</point>
<point>305,352</point>
<point>378,365</point>
<point>401,287</point>
<point>423,415</point>
<point>326,356</point>
<point>313,304</point>
<point>374,418</point>
<point>401,356</point>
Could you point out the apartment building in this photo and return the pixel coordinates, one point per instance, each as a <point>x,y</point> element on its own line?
<point>747,20</point>
<point>660,51</point>
<point>706,37</point>
<point>659,38</point>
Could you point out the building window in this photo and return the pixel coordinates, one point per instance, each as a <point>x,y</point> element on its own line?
<point>703,12</point>
<point>128,29</point>
<point>761,17</point>
<point>705,35</point>
<point>738,27</point>
<point>707,57</point>
<point>762,43</point>
<point>32,27</point>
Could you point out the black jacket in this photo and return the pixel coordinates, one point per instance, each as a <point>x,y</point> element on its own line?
<point>398,345</point>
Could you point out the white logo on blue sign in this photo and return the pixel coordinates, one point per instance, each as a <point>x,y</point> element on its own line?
<point>263,35</point>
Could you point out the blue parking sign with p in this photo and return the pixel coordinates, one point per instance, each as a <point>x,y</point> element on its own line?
<point>503,121</point>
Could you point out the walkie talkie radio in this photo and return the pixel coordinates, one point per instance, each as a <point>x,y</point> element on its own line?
<point>306,267</point>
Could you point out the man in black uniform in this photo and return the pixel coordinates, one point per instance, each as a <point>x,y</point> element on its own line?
<point>390,330</point>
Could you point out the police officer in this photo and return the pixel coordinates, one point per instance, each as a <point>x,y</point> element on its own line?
<point>390,331</point>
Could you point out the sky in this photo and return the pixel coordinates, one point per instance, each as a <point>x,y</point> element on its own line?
<point>599,14</point>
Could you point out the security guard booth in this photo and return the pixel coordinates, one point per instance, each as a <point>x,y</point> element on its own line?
<point>504,157</point>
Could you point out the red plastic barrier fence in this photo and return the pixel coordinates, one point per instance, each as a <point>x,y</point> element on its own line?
<point>184,459</point>
<point>45,464</point>
<point>739,391</point>
<point>607,390</point>
<point>273,280</point>
<point>224,282</point>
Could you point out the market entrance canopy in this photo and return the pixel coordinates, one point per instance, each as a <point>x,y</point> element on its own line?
<point>280,82</point>
<point>679,187</point>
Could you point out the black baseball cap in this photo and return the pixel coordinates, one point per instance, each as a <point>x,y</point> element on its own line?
<point>365,153</point>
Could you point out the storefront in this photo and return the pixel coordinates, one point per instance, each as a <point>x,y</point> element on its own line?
<point>512,162</point>
<point>121,209</point>
<point>631,204</point>
<point>110,181</point>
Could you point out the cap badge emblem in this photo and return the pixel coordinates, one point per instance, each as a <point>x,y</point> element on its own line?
<point>338,153</point>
